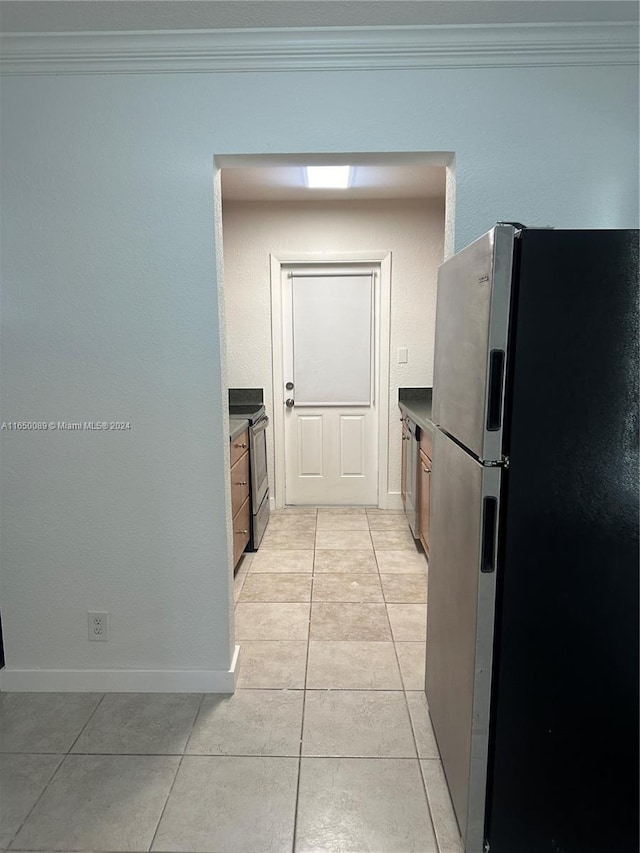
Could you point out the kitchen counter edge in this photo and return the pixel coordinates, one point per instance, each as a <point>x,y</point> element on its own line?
<point>415,403</point>
<point>237,426</point>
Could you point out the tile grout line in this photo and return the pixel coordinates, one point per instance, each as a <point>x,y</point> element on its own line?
<point>164,807</point>
<point>404,693</point>
<point>386,612</point>
<point>56,771</point>
<point>304,695</point>
<point>171,787</point>
<point>91,715</point>
<point>415,756</point>
<point>245,575</point>
<point>436,834</point>
<point>193,724</point>
<point>408,710</point>
<point>178,754</point>
<point>30,812</point>
<point>413,733</point>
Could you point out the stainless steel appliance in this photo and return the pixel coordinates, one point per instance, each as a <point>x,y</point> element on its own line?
<point>259,481</point>
<point>248,404</point>
<point>532,626</point>
<point>410,456</point>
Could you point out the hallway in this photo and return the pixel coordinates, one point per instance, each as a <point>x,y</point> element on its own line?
<point>325,747</point>
<point>335,602</point>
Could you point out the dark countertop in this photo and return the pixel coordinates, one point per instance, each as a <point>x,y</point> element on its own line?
<point>236,426</point>
<point>415,403</point>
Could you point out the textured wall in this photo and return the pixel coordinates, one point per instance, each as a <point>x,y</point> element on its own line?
<point>412,231</point>
<point>109,307</point>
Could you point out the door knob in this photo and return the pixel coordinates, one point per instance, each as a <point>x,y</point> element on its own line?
<point>289,386</point>
<point>289,403</point>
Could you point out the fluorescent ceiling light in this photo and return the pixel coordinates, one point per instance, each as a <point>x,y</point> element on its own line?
<point>328,177</point>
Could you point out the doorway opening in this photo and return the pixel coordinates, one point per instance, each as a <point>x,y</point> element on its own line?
<point>396,221</point>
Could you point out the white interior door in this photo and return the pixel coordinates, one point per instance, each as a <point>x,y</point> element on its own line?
<point>329,366</point>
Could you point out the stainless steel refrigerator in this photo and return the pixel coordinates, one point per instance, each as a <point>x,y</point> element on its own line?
<point>532,625</point>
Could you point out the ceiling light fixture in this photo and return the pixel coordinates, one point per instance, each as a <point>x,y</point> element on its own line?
<point>328,177</point>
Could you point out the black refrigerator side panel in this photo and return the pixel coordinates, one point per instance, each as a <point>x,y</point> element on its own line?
<point>564,738</point>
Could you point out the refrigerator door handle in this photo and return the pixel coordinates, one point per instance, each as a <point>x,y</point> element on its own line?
<point>488,558</point>
<point>496,386</point>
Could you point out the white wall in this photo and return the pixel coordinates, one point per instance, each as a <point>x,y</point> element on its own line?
<point>110,311</point>
<point>412,230</point>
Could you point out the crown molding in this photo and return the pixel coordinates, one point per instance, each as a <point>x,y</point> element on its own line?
<point>320,49</point>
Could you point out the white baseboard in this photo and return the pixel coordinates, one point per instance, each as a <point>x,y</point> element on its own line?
<point>121,680</point>
<point>393,501</point>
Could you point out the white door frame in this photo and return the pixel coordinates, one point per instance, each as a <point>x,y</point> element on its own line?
<point>382,351</point>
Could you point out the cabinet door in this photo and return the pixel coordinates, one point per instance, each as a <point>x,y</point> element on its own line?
<point>239,446</point>
<point>239,483</point>
<point>425,501</point>
<point>241,530</point>
<point>426,443</point>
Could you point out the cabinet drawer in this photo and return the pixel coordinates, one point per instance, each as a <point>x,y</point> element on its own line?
<point>426,443</point>
<point>241,526</point>
<point>239,445</point>
<point>239,483</point>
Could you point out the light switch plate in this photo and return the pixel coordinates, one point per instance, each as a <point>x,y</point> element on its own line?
<point>403,355</point>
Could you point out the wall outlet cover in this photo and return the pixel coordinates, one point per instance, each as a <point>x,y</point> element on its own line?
<point>98,626</point>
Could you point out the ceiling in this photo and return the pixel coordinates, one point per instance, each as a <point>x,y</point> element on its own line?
<point>112,15</point>
<point>397,176</point>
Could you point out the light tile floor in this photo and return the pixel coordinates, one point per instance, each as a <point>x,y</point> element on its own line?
<point>326,746</point>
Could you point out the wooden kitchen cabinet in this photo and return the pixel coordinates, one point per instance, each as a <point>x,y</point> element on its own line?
<point>241,526</point>
<point>240,503</point>
<point>239,446</point>
<point>424,495</point>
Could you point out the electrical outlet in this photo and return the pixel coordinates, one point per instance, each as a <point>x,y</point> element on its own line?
<point>98,626</point>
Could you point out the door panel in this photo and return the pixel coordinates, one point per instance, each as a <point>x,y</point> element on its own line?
<point>335,462</point>
<point>472,316</point>
<point>460,628</point>
<point>330,417</point>
<point>310,445</point>
<point>352,446</point>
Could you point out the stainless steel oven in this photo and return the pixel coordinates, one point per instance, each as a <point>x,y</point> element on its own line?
<point>259,480</point>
